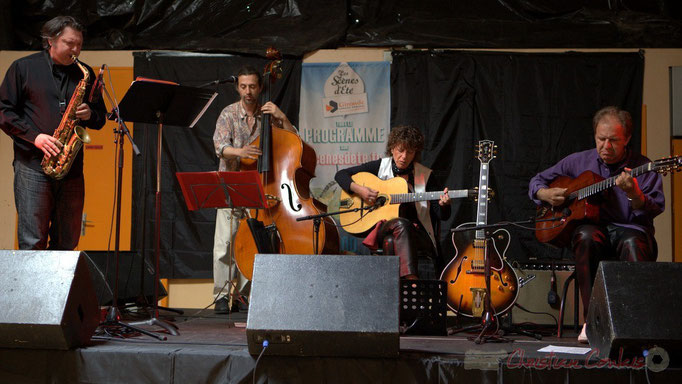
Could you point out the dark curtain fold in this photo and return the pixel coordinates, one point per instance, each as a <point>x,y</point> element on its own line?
<point>187,237</point>
<point>297,27</point>
<point>536,107</point>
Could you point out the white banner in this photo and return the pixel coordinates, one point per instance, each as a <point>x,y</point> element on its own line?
<point>345,116</point>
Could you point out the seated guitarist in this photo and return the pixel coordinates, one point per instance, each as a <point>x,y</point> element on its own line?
<point>625,230</point>
<point>414,229</point>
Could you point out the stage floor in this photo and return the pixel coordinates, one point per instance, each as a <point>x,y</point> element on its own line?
<point>213,349</point>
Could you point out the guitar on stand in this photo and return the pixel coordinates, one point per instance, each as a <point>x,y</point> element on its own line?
<point>579,205</point>
<point>465,275</point>
<point>479,280</point>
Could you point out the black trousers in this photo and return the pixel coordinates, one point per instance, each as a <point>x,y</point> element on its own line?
<point>594,243</point>
<point>409,243</point>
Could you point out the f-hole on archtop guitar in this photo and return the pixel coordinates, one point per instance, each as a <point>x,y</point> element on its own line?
<point>579,205</point>
<point>464,274</point>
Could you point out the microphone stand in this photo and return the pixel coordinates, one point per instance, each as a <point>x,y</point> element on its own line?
<point>488,318</point>
<point>317,219</point>
<point>113,314</point>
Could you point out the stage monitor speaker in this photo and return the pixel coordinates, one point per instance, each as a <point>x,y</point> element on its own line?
<point>47,300</point>
<point>131,287</point>
<point>635,306</point>
<point>324,305</point>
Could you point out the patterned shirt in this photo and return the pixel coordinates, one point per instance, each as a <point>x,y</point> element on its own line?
<point>232,130</point>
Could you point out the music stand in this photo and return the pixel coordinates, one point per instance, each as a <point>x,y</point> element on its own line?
<point>113,315</point>
<point>161,102</point>
<point>222,190</point>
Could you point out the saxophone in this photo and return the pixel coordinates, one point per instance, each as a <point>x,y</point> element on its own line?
<point>69,133</point>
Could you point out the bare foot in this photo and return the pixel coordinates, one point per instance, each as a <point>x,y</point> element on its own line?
<point>582,337</point>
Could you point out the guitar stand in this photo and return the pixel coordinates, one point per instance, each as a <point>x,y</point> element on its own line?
<point>488,319</point>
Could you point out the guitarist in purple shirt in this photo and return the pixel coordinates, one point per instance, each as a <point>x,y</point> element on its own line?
<point>625,229</point>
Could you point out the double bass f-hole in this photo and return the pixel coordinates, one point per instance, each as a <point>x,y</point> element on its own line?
<point>290,195</point>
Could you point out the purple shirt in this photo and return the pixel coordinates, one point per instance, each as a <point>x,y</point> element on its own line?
<point>615,208</point>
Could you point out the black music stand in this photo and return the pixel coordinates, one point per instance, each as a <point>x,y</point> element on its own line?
<point>222,190</point>
<point>113,314</point>
<point>161,102</point>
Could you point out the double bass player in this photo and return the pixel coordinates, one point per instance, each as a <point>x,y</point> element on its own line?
<point>238,125</point>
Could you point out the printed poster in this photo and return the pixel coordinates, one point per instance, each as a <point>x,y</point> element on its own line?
<point>345,117</point>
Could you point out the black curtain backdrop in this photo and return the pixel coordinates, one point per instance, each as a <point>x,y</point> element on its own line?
<point>536,107</point>
<point>187,237</point>
<point>297,27</point>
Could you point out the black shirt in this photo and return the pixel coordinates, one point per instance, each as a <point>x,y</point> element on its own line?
<point>30,97</point>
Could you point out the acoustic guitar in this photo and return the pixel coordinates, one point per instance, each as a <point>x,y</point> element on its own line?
<point>555,225</point>
<point>465,274</point>
<point>392,193</point>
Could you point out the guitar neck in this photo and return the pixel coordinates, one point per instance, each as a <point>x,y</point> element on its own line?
<point>608,183</point>
<point>482,206</point>
<point>400,198</point>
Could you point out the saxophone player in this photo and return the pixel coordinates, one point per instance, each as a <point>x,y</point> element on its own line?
<point>34,95</point>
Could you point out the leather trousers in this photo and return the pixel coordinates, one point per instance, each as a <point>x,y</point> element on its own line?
<point>594,243</point>
<point>408,241</point>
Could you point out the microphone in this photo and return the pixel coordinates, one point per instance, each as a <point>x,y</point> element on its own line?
<point>229,79</point>
<point>380,201</point>
<point>96,90</point>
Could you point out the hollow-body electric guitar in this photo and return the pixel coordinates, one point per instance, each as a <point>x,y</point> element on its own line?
<point>465,274</point>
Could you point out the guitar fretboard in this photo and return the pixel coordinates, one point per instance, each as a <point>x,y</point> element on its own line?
<point>608,183</point>
<point>399,198</point>
<point>482,208</point>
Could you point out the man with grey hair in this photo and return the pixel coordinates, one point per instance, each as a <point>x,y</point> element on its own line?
<point>33,97</point>
<point>625,230</point>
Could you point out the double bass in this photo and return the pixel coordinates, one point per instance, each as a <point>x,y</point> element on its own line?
<point>286,166</point>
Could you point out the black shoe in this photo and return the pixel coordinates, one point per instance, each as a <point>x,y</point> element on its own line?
<point>222,306</point>
<point>240,305</point>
